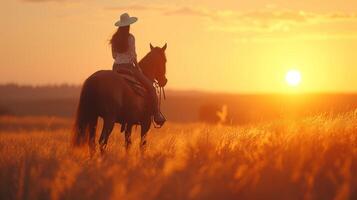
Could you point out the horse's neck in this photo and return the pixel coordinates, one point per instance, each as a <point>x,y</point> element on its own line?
<point>147,67</point>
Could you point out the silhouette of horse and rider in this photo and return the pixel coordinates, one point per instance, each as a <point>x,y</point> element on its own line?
<point>110,95</point>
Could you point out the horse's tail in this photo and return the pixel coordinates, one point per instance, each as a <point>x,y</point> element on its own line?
<point>84,117</point>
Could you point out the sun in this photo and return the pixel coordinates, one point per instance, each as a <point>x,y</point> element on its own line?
<point>293,77</point>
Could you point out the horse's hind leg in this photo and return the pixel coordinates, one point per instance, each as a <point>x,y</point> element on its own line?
<point>106,131</point>
<point>91,141</point>
<point>128,136</point>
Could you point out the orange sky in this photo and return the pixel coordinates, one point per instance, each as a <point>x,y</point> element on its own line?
<point>233,46</point>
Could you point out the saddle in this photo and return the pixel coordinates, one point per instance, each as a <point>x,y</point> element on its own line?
<point>132,81</point>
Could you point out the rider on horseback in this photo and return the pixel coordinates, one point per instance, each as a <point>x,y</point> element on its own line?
<point>124,55</point>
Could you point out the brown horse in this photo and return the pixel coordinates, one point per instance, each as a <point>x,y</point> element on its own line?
<point>107,95</point>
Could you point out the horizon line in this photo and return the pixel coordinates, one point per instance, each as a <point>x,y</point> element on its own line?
<point>193,90</point>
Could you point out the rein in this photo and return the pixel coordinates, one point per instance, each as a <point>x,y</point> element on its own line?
<point>160,90</point>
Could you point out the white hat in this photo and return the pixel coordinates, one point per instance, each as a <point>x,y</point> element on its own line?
<point>125,20</point>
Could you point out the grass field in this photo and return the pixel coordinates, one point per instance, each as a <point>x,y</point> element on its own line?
<point>312,158</point>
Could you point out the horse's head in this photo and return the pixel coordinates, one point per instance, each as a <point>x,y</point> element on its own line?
<point>154,64</point>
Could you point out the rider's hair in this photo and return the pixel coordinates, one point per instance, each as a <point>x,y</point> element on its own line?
<point>119,39</point>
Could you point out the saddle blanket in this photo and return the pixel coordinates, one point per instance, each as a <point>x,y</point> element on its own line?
<point>135,84</point>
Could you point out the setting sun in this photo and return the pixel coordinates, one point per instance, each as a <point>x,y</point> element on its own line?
<point>293,77</point>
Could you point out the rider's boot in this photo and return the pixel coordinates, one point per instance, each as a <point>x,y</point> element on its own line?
<point>159,118</point>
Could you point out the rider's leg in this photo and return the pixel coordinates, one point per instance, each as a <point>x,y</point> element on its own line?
<point>158,117</point>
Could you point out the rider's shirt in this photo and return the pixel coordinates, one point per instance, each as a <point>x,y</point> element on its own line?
<point>127,57</point>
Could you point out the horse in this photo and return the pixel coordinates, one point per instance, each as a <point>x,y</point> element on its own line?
<point>107,95</point>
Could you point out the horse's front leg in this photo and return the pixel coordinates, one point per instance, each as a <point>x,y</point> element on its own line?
<point>144,130</point>
<point>106,131</point>
<point>128,136</point>
<point>143,142</point>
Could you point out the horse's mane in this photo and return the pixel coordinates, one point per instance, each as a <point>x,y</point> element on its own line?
<point>146,60</point>
<point>147,65</point>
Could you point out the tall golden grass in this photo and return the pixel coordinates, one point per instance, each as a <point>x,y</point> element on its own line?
<point>313,158</point>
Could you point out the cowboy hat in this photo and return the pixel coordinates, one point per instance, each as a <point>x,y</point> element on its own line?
<point>125,20</point>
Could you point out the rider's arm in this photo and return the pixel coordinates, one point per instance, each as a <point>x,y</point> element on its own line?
<point>132,50</point>
<point>114,54</point>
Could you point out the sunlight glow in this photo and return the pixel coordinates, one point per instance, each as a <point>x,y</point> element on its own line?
<point>293,77</point>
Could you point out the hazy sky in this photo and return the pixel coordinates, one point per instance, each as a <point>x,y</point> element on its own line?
<point>232,45</point>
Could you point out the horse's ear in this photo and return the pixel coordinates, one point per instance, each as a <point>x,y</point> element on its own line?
<point>151,47</point>
<point>164,47</point>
